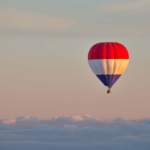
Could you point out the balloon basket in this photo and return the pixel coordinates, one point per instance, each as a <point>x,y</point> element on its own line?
<point>108,91</point>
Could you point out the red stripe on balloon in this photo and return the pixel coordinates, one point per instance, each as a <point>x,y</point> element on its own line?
<point>108,50</point>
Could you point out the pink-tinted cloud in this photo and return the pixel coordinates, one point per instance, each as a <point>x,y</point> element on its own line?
<point>7,121</point>
<point>75,120</point>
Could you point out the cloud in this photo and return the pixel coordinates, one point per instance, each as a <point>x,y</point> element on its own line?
<point>22,20</point>
<point>127,18</point>
<point>68,133</point>
<point>7,121</point>
<point>125,6</point>
<point>95,19</point>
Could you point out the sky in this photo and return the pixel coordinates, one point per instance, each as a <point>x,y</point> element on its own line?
<point>47,85</point>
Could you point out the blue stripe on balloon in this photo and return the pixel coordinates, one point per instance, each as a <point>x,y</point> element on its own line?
<point>108,80</point>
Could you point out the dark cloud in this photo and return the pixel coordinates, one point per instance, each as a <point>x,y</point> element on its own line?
<point>75,132</point>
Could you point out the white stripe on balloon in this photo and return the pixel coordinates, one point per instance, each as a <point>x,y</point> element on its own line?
<point>108,66</point>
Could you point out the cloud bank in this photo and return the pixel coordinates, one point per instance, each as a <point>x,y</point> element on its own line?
<point>74,132</point>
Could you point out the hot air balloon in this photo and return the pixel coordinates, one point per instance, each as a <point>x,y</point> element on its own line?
<point>108,61</point>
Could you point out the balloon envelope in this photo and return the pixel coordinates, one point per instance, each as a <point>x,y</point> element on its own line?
<point>108,61</point>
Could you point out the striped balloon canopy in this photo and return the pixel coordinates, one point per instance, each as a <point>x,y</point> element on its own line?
<point>108,61</point>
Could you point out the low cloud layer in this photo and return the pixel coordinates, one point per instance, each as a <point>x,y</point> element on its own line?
<point>74,132</point>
